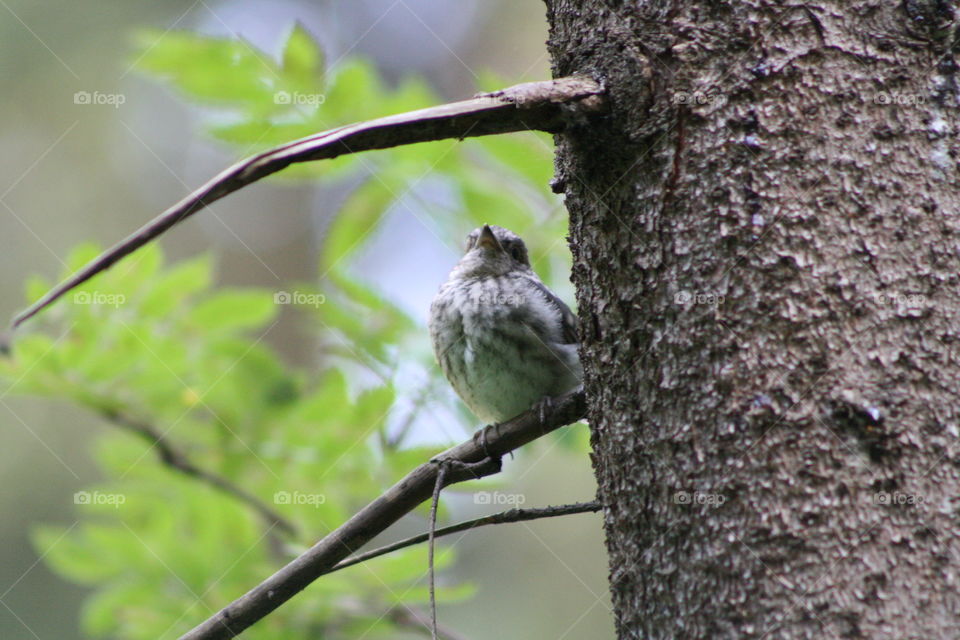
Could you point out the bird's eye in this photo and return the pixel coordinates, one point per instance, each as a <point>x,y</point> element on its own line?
<point>517,253</point>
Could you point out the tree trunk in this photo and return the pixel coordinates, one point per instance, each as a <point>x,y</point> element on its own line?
<point>766,238</point>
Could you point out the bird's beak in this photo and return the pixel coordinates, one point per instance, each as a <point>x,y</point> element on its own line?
<point>487,240</point>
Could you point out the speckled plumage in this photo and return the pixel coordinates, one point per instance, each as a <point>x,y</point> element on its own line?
<point>502,339</point>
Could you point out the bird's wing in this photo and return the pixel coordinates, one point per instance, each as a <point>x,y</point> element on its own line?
<point>568,321</point>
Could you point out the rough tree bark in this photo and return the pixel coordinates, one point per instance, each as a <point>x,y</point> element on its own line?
<point>765,232</point>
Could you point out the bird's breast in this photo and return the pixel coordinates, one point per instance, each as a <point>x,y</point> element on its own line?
<point>497,347</point>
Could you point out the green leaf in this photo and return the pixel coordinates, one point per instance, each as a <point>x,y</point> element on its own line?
<point>213,70</point>
<point>352,90</point>
<point>302,58</point>
<point>69,556</point>
<point>259,132</point>
<point>236,309</point>
<point>176,285</point>
<point>489,200</point>
<point>363,316</point>
<point>528,156</point>
<point>358,217</point>
<point>373,407</point>
<point>111,609</point>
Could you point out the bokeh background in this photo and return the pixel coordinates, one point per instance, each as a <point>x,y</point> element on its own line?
<point>74,172</point>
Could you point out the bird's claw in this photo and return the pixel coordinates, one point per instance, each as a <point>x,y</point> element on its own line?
<point>543,406</point>
<point>480,437</point>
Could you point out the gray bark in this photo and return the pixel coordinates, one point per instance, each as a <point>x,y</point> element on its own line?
<point>765,233</point>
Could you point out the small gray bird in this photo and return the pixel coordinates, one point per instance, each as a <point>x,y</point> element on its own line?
<point>504,341</point>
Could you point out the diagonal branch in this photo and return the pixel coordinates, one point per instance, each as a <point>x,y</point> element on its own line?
<point>504,517</point>
<point>476,460</point>
<point>541,106</point>
<point>175,459</point>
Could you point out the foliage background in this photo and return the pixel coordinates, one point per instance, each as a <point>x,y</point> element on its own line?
<point>266,394</point>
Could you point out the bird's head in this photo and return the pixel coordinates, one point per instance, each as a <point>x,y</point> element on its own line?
<point>493,251</point>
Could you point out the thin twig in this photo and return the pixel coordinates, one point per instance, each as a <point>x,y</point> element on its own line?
<point>415,488</point>
<point>441,476</point>
<point>504,517</point>
<point>541,106</point>
<point>175,459</point>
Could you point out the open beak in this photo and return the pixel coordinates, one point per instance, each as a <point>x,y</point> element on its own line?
<point>487,240</point>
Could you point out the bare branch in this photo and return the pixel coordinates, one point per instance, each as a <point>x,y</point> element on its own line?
<point>542,106</point>
<point>504,517</point>
<point>415,488</point>
<point>175,459</point>
<point>434,502</point>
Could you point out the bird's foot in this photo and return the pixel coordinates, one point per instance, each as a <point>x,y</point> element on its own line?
<point>543,406</point>
<point>480,437</point>
<point>475,470</point>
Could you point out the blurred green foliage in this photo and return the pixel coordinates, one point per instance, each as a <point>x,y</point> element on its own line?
<point>159,344</point>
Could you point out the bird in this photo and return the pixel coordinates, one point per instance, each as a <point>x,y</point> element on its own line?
<point>503,340</point>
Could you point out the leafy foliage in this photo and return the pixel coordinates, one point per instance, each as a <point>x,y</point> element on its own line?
<point>164,550</point>
<point>160,344</point>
